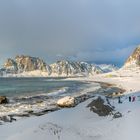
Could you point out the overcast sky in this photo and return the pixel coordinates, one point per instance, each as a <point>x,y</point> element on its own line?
<point>101,31</point>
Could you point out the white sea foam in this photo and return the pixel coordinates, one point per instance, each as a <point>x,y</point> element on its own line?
<point>23,104</point>
<point>58,92</point>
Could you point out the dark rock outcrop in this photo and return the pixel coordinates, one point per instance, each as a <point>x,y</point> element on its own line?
<point>3,100</point>
<point>98,107</point>
<point>117,115</point>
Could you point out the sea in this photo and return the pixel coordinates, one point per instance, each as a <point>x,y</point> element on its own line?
<point>36,94</point>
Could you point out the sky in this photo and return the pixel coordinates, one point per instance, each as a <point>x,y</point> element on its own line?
<point>100,31</point>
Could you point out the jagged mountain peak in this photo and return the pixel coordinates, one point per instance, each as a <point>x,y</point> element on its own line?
<point>66,67</point>
<point>134,59</point>
<point>26,65</point>
<point>26,57</point>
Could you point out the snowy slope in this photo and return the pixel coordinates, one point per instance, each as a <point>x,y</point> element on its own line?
<point>78,123</point>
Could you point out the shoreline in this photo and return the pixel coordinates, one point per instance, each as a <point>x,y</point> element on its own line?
<point>104,90</point>
<point>83,122</point>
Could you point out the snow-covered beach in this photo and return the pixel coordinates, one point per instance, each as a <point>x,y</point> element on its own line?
<point>79,123</point>
<point>69,70</point>
<point>106,110</point>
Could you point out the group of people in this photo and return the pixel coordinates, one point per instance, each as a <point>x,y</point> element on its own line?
<point>130,98</point>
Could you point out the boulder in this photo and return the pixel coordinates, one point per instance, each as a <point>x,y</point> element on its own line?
<point>67,101</point>
<point>117,115</point>
<point>3,100</point>
<point>99,107</point>
<point>7,119</point>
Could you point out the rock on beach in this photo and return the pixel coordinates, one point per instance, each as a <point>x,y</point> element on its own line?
<point>67,101</point>
<point>3,100</point>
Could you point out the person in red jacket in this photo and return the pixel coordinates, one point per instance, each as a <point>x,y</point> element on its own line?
<point>133,98</point>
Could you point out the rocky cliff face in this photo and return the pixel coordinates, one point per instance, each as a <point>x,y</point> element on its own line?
<point>134,59</point>
<point>10,64</point>
<point>32,66</point>
<point>67,68</point>
<point>24,63</point>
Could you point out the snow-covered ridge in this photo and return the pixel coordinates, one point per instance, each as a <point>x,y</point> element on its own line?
<point>67,68</point>
<point>108,67</point>
<point>27,66</point>
<point>133,60</point>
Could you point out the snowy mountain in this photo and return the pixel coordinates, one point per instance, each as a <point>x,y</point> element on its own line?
<point>133,60</point>
<point>66,68</point>
<point>108,68</point>
<point>24,64</point>
<point>32,66</point>
<point>27,66</point>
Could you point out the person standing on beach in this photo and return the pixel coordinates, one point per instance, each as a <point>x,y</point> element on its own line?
<point>129,98</point>
<point>119,100</point>
<point>133,99</point>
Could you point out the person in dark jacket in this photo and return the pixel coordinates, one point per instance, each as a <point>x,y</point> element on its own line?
<point>119,100</point>
<point>129,98</point>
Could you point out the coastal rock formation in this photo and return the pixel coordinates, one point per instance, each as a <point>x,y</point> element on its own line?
<point>27,63</point>
<point>24,64</point>
<point>32,66</point>
<point>10,64</point>
<point>66,102</point>
<point>134,59</point>
<point>3,100</point>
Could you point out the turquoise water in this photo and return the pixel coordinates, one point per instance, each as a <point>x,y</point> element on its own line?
<point>34,86</point>
<point>35,94</point>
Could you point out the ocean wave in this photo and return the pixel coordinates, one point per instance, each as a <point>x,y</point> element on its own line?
<point>58,92</point>
<point>34,103</point>
<point>40,102</point>
<point>39,96</point>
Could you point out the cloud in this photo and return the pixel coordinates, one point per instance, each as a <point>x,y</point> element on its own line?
<point>90,30</point>
<point>109,56</point>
